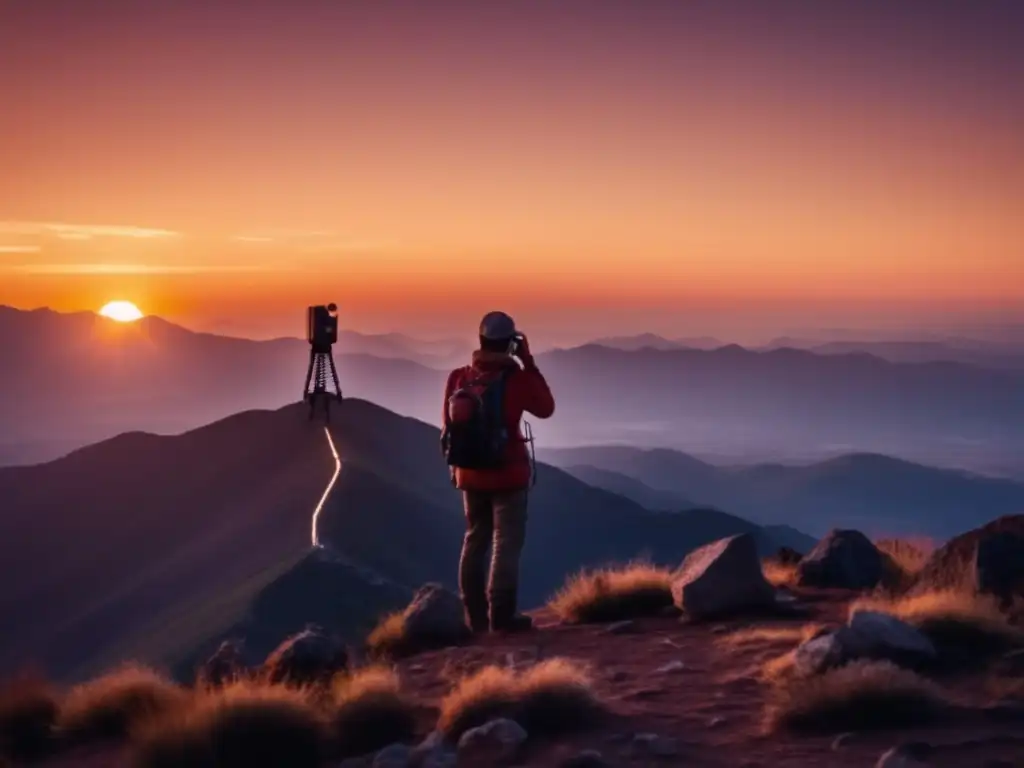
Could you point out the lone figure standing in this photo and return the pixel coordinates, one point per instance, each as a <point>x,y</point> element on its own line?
<point>482,441</point>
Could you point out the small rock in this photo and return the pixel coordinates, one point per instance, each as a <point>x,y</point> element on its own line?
<point>311,656</point>
<point>498,741</point>
<point>394,756</point>
<point>439,758</point>
<point>619,627</point>
<point>672,666</point>
<point>588,758</point>
<point>719,629</point>
<point>435,617</point>
<point>225,665</point>
<point>656,745</point>
<point>841,741</point>
<point>910,755</point>
<point>818,654</point>
<point>434,740</point>
<point>715,722</point>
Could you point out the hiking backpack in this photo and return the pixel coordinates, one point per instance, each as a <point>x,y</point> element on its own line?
<point>474,435</point>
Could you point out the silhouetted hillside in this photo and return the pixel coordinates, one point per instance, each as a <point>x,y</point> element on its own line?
<point>875,493</point>
<point>142,534</point>
<point>395,511</point>
<point>153,546</point>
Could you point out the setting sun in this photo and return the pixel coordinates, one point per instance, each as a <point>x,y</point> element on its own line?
<point>121,311</point>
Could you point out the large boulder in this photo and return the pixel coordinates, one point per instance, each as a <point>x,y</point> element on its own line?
<point>844,559</point>
<point>309,657</point>
<point>999,565</point>
<point>881,636</point>
<point>721,578</point>
<point>435,617</point>
<point>989,559</point>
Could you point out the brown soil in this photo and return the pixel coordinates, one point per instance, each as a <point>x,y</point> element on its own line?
<point>713,707</point>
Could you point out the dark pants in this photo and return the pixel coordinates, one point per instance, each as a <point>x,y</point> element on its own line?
<point>495,521</point>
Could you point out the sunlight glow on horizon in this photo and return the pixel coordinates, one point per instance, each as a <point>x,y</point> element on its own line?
<point>121,311</point>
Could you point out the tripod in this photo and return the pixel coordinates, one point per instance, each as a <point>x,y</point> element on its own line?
<point>317,373</point>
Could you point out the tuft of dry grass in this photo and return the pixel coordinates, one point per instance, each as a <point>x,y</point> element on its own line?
<point>779,574</point>
<point>388,638</point>
<point>953,619</point>
<point>752,635</point>
<point>370,711</point>
<point>614,594</point>
<point>243,725</point>
<point>862,695</point>
<point>552,697</point>
<point>28,712</point>
<point>110,706</point>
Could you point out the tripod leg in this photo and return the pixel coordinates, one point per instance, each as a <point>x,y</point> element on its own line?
<point>334,374</point>
<point>309,376</point>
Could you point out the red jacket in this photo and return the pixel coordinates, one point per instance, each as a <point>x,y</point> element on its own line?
<point>525,391</point>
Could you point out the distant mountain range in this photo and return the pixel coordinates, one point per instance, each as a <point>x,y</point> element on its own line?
<point>786,400</point>
<point>653,341</point>
<point>69,380</point>
<point>157,546</point>
<point>876,494</point>
<point>997,355</point>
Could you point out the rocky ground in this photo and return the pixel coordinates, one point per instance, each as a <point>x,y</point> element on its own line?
<point>688,694</point>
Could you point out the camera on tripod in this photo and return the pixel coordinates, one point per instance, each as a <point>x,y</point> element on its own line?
<point>322,335</point>
<point>322,327</point>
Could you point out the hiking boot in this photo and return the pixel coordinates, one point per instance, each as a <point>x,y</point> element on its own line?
<point>516,623</point>
<point>478,625</point>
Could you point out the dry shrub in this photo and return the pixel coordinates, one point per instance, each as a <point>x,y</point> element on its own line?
<point>777,669</point>
<point>553,697</point>
<point>388,639</point>
<point>557,696</point>
<point>862,695</point>
<point>110,706</point>
<point>28,712</point>
<point>953,619</point>
<point>370,711</point>
<point>614,594</point>
<point>243,725</point>
<point>779,574</point>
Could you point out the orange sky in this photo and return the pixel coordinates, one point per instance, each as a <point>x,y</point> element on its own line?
<point>628,169</point>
